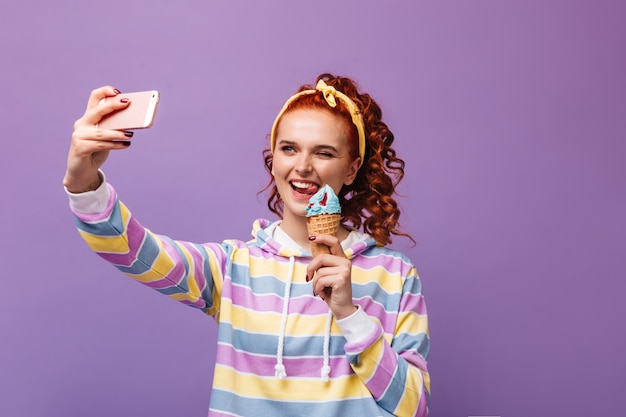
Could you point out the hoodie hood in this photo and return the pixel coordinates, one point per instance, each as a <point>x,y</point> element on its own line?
<point>262,232</point>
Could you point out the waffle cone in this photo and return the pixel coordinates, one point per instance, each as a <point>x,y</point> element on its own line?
<point>322,224</point>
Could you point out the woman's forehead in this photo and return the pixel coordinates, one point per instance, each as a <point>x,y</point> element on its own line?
<point>311,123</point>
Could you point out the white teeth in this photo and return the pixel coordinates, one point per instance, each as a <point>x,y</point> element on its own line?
<point>299,184</point>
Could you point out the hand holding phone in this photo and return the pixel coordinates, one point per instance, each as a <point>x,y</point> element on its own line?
<point>139,114</point>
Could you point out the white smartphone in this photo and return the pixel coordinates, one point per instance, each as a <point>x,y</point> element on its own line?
<point>138,115</point>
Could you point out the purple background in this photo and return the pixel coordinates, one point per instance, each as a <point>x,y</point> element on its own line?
<point>510,115</point>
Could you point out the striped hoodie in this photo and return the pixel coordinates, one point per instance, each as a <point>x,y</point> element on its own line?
<point>280,352</point>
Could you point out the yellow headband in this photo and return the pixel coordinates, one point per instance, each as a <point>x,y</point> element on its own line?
<point>330,94</point>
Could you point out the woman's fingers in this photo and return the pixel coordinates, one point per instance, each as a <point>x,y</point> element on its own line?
<point>99,93</point>
<point>325,260</point>
<point>334,286</point>
<point>331,241</point>
<point>90,146</point>
<point>102,101</point>
<point>94,134</point>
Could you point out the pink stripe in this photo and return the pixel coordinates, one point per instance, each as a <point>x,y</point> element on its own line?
<point>307,304</point>
<point>198,265</point>
<point>422,408</point>
<point>374,309</point>
<point>383,374</point>
<point>413,302</point>
<point>214,413</point>
<point>414,358</point>
<point>172,279</point>
<point>176,275</point>
<point>264,365</point>
<point>390,263</point>
<point>135,234</point>
<point>259,252</point>
<point>198,303</point>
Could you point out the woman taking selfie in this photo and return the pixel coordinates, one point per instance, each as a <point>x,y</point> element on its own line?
<point>344,333</point>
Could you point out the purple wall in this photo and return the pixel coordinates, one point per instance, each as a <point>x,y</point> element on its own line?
<point>510,115</point>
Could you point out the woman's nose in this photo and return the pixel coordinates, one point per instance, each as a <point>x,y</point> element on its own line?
<point>303,165</point>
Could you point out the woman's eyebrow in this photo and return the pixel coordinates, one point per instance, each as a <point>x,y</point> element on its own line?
<point>329,147</point>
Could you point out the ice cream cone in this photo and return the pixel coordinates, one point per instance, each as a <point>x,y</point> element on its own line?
<point>322,224</point>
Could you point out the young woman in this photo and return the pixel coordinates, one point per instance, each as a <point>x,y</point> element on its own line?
<point>341,334</point>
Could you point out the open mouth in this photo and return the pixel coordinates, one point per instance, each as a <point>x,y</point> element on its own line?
<point>304,187</point>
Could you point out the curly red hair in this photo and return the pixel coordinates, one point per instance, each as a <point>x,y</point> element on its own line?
<point>368,202</point>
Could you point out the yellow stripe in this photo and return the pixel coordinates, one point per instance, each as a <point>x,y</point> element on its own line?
<point>216,272</point>
<point>125,213</point>
<point>194,289</point>
<point>112,244</point>
<point>370,358</point>
<point>183,296</point>
<point>261,266</point>
<point>413,321</point>
<point>293,389</point>
<point>148,276</point>
<point>391,283</point>
<point>267,322</point>
<point>412,393</point>
<point>162,265</point>
<point>109,244</point>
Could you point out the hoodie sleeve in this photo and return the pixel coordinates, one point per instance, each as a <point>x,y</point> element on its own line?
<point>186,272</point>
<point>394,367</point>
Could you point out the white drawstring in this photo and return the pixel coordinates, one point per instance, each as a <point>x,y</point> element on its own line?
<point>279,368</point>
<point>326,366</point>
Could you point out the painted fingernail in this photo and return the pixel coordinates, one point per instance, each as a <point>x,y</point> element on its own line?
<point>129,133</point>
<point>307,278</point>
<point>117,91</point>
<point>126,143</point>
<point>124,100</point>
<point>311,237</point>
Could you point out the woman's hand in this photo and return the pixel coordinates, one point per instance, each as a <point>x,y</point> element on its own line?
<point>90,146</point>
<point>332,277</point>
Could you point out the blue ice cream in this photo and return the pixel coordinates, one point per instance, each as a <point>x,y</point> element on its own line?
<point>324,201</point>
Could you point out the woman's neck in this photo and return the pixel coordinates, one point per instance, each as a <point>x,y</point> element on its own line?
<point>296,229</point>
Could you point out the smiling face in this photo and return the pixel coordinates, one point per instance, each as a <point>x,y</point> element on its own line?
<point>311,150</point>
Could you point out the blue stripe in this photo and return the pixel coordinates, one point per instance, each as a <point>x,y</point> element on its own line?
<point>270,285</point>
<point>206,265</point>
<point>148,253</point>
<point>405,342</point>
<point>389,301</point>
<point>412,285</point>
<point>375,251</point>
<point>266,284</point>
<point>263,344</point>
<point>113,226</point>
<point>354,359</point>
<point>393,395</point>
<point>171,290</point>
<point>231,403</point>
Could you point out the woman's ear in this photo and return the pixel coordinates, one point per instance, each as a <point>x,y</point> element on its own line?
<point>352,171</point>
